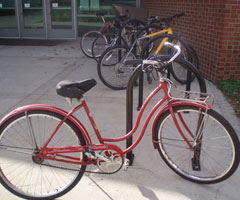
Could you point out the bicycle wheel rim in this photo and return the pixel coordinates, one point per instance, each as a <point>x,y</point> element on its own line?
<point>87,41</point>
<point>20,173</point>
<point>111,70</point>
<point>102,43</point>
<point>219,156</point>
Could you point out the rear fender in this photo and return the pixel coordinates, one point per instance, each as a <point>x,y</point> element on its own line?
<point>55,109</point>
<point>173,104</point>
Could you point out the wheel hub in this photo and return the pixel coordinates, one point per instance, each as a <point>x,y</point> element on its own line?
<point>36,157</point>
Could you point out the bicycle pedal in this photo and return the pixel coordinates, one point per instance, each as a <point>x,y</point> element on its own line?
<point>126,164</point>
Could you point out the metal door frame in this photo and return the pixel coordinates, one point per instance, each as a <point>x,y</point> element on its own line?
<point>11,32</point>
<point>47,32</point>
<point>34,33</point>
<point>61,33</point>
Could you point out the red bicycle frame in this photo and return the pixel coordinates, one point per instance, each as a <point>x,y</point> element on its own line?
<point>45,151</point>
<point>59,153</point>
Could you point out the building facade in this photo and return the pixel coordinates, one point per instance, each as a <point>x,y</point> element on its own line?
<point>212,27</point>
<point>53,19</point>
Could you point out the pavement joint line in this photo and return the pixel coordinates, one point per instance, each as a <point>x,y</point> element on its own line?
<point>100,188</point>
<point>45,87</point>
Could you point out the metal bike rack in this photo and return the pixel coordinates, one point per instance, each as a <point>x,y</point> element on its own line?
<point>129,109</point>
<point>202,86</point>
<point>140,89</point>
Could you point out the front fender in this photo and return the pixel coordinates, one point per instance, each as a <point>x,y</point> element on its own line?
<point>55,109</point>
<point>173,104</point>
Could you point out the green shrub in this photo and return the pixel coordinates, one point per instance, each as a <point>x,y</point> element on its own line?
<point>231,89</point>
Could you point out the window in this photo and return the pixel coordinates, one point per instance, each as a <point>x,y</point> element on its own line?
<point>87,10</point>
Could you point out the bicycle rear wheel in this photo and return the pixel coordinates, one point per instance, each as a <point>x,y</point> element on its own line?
<point>213,159</point>
<point>149,29</point>
<point>86,42</point>
<point>179,73</point>
<point>27,177</point>
<point>111,69</point>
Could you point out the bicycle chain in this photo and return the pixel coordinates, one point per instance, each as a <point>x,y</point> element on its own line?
<point>75,169</point>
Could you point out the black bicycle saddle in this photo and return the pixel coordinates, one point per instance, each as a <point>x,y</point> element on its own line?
<point>74,89</point>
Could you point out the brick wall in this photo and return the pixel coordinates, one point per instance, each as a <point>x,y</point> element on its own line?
<point>212,27</point>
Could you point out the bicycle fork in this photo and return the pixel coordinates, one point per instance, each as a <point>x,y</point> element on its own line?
<point>197,142</point>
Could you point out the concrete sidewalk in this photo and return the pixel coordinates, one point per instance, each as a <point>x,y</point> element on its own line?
<point>29,74</point>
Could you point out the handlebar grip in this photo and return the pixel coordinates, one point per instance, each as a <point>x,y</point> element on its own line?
<point>133,62</point>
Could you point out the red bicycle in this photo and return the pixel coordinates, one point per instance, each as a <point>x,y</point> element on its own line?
<point>44,150</point>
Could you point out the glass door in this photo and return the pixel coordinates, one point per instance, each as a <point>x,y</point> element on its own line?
<point>61,16</point>
<point>32,20</point>
<point>8,19</point>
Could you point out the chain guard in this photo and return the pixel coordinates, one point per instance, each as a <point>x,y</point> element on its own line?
<point>112,163</point>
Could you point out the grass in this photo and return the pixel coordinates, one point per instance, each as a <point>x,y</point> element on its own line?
<point>231,89</point>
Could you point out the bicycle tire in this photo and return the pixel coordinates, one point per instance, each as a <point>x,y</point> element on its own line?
<point>109,71</point>
<point>166,51</point>
<point>129,23</point>
<point>24,176</point>
<point>179,74</point>
<point>105,41</point>
<point>218,137</point>
<point>86,42</point>
<point>148,29</point>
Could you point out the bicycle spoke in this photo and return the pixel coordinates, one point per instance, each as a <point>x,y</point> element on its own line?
<point>36,178</point>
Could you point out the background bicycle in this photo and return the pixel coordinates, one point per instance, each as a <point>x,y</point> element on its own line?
<point>115,75</point>
<point>109,27</point>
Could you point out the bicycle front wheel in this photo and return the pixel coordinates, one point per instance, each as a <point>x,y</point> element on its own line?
<point>21,137</point>
<point>111,69</point>
<point>215,156</point>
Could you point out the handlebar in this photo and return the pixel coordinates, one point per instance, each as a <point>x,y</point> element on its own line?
<point>176,54</point>
<point>155,19</point>
<point>154,62</point>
